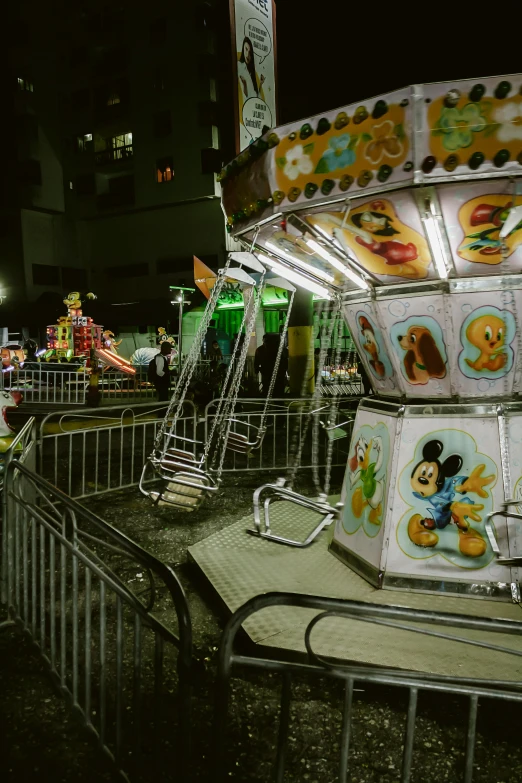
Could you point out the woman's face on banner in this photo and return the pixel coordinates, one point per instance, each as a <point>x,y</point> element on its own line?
<point>247,52</point>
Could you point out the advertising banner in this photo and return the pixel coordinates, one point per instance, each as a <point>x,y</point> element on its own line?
<point>254,56</point>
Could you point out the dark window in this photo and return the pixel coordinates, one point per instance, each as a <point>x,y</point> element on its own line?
<point>208,113</point>
<point>165,169</point>
<point>29,172</point>
<point>85,184</point>
<point>159,78</point>
<point>81,99</point>
<point>206,16</point>
<point>162,123</point>
<point>211,161</point>
<point>127,270</point>
<point>158,31</point>
<point>46,275</point>
<point>121,193</point>
<point>74,279</point>
<point>79,56</point>
<point>27,126</point>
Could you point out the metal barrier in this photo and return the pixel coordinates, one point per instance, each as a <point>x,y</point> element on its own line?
<point>284,423</point>
<point>48,384</point>
<point>102,449</point>
<point>103,645</point>
<point>23,449</point>
<point>118,387</point>
<point>348,675</point>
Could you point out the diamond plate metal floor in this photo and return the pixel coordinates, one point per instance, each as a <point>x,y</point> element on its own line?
<point>240,566</point>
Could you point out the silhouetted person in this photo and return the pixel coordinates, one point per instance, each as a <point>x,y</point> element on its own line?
<point>264,363</point>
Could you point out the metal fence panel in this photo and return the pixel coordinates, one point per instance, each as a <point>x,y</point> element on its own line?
<point>285,424</point>
<point>411,683</point>
<point>68,577</point>
<point>103,449</point>
<point>49,384</point>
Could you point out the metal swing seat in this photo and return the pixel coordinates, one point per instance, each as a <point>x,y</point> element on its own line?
<point>265,495</point>
<point>239,442</point>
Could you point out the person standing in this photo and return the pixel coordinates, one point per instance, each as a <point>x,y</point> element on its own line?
<point>160,373</point>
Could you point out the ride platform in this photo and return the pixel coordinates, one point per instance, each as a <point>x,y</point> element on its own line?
<point>241,566</point>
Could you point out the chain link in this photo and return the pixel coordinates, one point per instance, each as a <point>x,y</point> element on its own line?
<point>228,412</point>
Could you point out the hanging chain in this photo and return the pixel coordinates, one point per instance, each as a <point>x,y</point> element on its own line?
<point>282,341</point>
<point>228,413</point>
<point>185,378</point>
<point>334,408</point>
<point>313,402</point>
<point>226,389</point>
<point>333,328</point>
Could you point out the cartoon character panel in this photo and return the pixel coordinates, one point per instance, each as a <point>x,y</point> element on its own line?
<point>416,332</point>
<point>371,347</point>
<point>351,149</point>
<point>366,486</point>
<point>470,126</point>
<point>384,234</point>
<point>485,343</point>
<point>448,481</point>
<point>474,215</point>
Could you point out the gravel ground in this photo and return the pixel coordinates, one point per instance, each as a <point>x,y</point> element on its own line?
<point>42,742</point>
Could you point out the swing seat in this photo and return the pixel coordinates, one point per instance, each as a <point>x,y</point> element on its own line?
<point>262,525</point>
<point>240,443</point>
<point>336,431</point>
<point>513,562</point>
<point>185,491</point>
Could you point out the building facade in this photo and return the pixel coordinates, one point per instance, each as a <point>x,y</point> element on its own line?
<point>121,115</point>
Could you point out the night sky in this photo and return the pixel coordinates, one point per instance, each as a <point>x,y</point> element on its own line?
<point>333,53</point>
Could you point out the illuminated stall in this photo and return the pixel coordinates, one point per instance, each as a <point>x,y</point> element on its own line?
<point>410,207</point>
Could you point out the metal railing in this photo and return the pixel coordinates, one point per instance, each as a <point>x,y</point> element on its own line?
<point>23,449</point>
<point>49,384</point>
<point>119,387</point>
<point>68,577</point>
<point>102,449</point>
<point>285,426</point>
<point>414,683</point>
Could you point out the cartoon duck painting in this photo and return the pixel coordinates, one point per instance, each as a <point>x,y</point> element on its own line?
<point>74,301</point>
<point>380,241</point>
<point>370,491</point>
<point>446,494</point>
<point>481,220</point>
<point>487,333</point>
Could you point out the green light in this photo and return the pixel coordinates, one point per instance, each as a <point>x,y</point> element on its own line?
<point>181,288</point>
<point>230,306</point>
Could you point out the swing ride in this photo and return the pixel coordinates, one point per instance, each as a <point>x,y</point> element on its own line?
<point>408,211</point>
<point>187,478</point>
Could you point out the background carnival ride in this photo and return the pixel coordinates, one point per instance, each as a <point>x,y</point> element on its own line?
<point>411,206</point>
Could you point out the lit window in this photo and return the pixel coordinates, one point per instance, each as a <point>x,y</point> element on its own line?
<point>113,99</point>
<point>164,170</point>
<point>24,85</point>
<point>70,185</point>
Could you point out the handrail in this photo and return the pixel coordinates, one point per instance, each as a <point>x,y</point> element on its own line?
<point>165,572</point>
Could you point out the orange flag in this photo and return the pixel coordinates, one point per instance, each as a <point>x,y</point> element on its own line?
<point>204,277</point>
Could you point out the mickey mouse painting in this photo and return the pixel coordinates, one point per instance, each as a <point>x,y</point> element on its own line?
<point>447,496</point>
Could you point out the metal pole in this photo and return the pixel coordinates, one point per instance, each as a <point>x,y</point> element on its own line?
<point>180,329</point>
